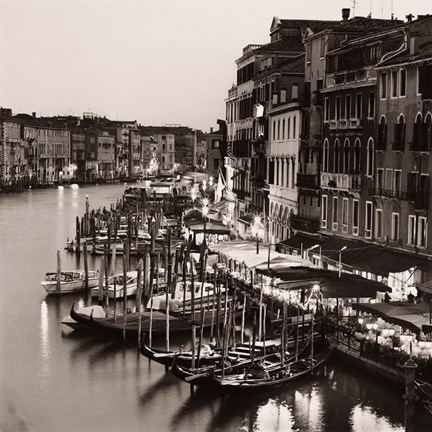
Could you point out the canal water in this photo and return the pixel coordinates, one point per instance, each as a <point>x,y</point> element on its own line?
<point>54,379</point>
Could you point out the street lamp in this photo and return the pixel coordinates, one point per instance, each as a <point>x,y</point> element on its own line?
<point>314,247</point>
<point>205,211</point>
<point>257,230</point>
<point>340,260</point>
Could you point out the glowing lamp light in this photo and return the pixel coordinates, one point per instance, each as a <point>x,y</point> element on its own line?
<point>257,220</point>
<point>369,326</point>
<point>375,326</point>
<point>205,210</point>
<point>315,287</point>
<point>211,180</point>
<point>360,321</point>
<point>205,202</point>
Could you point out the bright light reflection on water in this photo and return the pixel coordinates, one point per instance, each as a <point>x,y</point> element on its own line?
<point>364,419</point>
<point>44,339</point>
<point>273,416</point>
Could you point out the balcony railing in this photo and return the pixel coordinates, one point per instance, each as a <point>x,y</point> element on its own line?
<point>310,181</point>
<point>388,193</point>
<point>340,181</point>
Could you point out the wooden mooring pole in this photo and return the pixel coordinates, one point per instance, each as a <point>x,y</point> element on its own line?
<point>409,410</point>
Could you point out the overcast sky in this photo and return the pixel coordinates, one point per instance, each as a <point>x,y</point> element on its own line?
<point>157,62</point>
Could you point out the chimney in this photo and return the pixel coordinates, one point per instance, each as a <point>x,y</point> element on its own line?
<point>211,130</point>
<point>345,13</point>
<point>34,114</point>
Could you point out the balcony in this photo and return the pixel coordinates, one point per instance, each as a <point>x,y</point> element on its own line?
<point>419,198</point>
<point>350,77</point>
<point>305,224</point>
<point>388,193</point>
<point>347,182</point>
<point>307,181</point>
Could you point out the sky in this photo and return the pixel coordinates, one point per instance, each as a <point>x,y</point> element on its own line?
<point>157,62</point>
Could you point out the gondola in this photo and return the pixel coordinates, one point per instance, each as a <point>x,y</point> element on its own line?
<point>423,391</point>
<point>256,376</point>
<point>129,324</point>
<point>183,358</point>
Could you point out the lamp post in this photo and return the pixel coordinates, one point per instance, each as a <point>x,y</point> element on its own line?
<point>257,231</point>
<point>340,260</point>
<point>314,247</point>
<point>205,210</point>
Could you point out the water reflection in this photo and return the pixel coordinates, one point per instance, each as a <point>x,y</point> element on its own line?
<point>44,339</point>
<point>363,419</point>
<point>273,416</point>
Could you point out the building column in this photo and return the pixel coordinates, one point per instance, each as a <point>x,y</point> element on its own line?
<point>286,173</point>
<point>280,183</point>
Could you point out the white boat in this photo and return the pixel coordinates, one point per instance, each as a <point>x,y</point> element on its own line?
<point>176,301</point>
<point>115,285</point>
<point>95,311</point>
<point>70,281</point>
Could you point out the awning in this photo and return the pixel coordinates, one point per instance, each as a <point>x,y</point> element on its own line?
<point>221,206</point>
<point>412,316</point>
<point>332,286</point>
<point>371,258</point>
<point>210,227</point>
<point>300,242</point>
<point>246,219</point>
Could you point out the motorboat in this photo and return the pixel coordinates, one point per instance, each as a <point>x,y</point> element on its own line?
<point>70,281</point>
<point>116,285</point>
<point>179,297</point>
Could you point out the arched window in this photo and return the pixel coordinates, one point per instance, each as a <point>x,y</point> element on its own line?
<point>356,164</point>
<point>370,157</point>
<point>382,134</point>
<point>336,161</point>
<point>427,132</point>
<point>418,137</point>
<point>346,156</point>
<point>325,164</point>
<point>399,134</point>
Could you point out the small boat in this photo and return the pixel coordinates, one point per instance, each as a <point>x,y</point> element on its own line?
<point>96,311</point>
<point>207,356</point>
<point>116,288</point>
<point>130,323</point>
<point>258,375</point>
<point>70,281</point>
<point>176,300</point>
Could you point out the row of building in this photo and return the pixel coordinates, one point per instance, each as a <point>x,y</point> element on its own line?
<point>43,150</point>
<point>329,134</point>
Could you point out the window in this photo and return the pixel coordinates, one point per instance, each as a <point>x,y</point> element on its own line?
<point>358,105</point>
<point>283,128</point>
<point>397,183</point>
<point>294,126</point>
<point>336,154</point>
<point>382,134</point>
<point>322,47</point>
<point>356,163</point>
<point>402,83</point>
<point>422,231</point>
<point>388,179</point>
<point>394,84</point>
<point>371,105</point>
<point>425,80</point>
<point>338,107</point>
<point>411,230</point>
<point>378,223</point>
<point>369,157</point>
<point>308,52</point>
<point>345,211</point>
<point>383,85</point>
<point>348,107</point>
<point>368,221</point>
<point>283,96</point>
<point>334,212</point>
<point>278,129</point>
<point>326,109</point>
<point>289,128</point>
<point>274,129</point>
<point>324,210</point>
<point>395,227</point>
<point>215,144</point>
<point>293,172</point>
<point>216,164</point>
<point>355,216</point>
<point>346,157</point>
<point>294,91</point>
<point>399,134</point>
<point>325,166</point>
<point>380,180</point>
